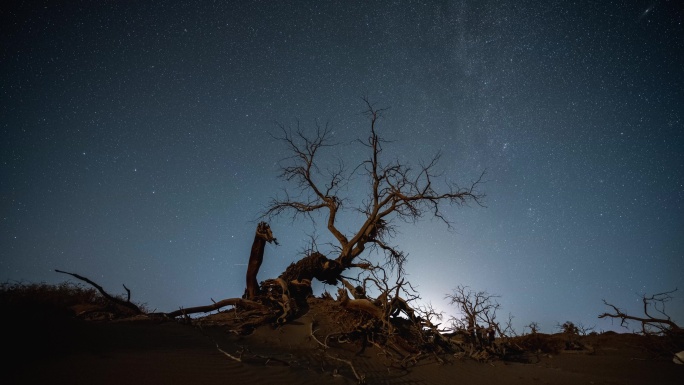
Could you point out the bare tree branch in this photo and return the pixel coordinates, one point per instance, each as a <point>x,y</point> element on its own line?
<point>649,324</point>
<point>127,303</point>
<point>396,191</point>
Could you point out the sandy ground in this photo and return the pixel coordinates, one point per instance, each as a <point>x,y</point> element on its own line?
<point>144,352</point>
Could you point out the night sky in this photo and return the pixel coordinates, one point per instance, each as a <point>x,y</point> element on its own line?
<point>137,142</point>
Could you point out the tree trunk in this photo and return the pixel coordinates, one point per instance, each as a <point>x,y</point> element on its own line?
<point>256,257</point>
<point>316,266</point>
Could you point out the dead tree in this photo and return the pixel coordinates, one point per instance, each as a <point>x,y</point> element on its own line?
<point>256,257</point>
<point>396,192</point>
<point>478,311</point>
<point>533,326</point>
<point>654,320</point>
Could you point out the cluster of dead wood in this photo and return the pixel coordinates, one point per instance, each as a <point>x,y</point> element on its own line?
<point>387,320</point>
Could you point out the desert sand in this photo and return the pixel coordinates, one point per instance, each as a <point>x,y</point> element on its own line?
<point>148,351</point>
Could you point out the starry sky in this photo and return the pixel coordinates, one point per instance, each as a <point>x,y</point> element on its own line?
<point>137,142</point>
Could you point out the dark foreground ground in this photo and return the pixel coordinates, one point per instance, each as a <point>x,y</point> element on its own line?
<point>43,351</point>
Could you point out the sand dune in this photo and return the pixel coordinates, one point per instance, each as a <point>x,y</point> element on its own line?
<point>152,352</point>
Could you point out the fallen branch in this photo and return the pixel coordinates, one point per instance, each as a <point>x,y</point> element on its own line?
<point>359,377</point>
<point>251,358</point>
<point>316,339</point>
<point>649,323</point>
<point>232,357</point>
<point>237,302</point>
<point>128,304</point>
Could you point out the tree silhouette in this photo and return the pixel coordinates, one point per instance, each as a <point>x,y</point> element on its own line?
<point>379,307</point>
<point>396,192</point>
